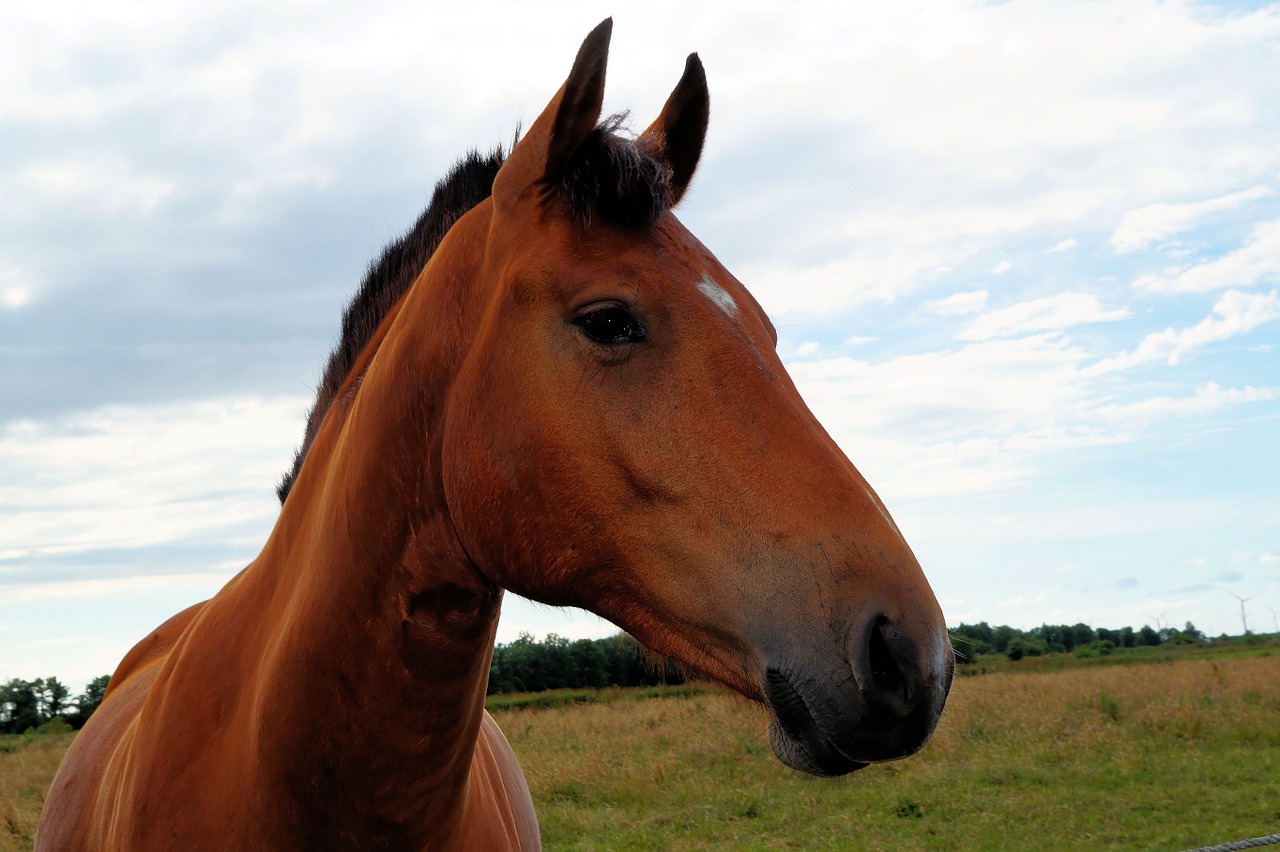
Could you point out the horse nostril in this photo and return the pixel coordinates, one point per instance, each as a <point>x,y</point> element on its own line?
<point>887,674</point>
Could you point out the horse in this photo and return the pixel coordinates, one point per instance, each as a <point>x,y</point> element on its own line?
<point>548,386</point>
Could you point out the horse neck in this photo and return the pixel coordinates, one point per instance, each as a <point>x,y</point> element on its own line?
<point>378,632</point>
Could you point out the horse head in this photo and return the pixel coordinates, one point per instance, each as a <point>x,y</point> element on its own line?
<point>622,436</point>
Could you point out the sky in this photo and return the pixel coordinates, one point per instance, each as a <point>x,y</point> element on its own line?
<point>1023,257</point>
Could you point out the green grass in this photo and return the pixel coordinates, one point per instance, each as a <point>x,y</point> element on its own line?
<point>1125,757</point>
<point>567,697</point>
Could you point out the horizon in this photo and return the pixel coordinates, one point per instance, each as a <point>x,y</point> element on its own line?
<point>1165,634</point>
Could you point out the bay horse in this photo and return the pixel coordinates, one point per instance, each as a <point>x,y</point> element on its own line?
<point>548,386</point>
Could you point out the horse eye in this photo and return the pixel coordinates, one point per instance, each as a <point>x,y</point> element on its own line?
<point>612,325</point>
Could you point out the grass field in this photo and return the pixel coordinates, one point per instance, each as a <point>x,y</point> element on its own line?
<point>1172,753</point>
<point>27,764</point>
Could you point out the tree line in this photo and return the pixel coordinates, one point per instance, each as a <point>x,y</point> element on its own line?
<point>527,665</point>
<point>30,705</point>
<point>972,640</point>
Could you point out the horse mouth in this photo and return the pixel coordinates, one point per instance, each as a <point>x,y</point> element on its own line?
<point>795,736</point>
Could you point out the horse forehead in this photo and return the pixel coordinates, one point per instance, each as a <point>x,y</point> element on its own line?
<point>669,259</point>
<point>680,242</point>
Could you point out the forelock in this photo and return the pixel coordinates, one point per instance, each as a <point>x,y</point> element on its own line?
<point>616,178</point>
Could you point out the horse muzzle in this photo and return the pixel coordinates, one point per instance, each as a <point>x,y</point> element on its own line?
<point>879,700</point>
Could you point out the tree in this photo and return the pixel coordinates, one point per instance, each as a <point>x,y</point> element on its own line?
<point>1001,636</point>
<point>1082,634</point>
<point>1186,636</point>
<point>591,663</point>
<point>523,668</point>
<point>88,701</point>
<point>559,670</point>
<point>19,706</point>
<point>626,661</point>
<point>52,696</point>
<point>1096,648</point>
<point>1024,646</point>
<point>970,640</point>
<point>1055,638</point>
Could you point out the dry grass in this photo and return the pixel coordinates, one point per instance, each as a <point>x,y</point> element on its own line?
<point>27,765</point>
<point>1154,756</point>
<point>1158,756</point>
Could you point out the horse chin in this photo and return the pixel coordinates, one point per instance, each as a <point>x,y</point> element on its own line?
<point>813,755</point>
<point>795,734</point>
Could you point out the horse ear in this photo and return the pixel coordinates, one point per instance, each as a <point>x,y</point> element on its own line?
<point>544,153</point>
<point>681,128</point>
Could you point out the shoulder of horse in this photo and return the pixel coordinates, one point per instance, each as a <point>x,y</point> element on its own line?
<point>154,647</point>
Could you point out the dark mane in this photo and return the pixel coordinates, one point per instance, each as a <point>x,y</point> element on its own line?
<point>621,180</point>
<point>468,183</point>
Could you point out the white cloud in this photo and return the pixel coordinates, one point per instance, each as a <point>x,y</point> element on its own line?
<point>1024,600</point>
<point>16,287</point>
<point>1207,399</point>
<point>1152,223</point>
<point>969,421</point>
<point>1065,245</point>
<point>861,275</point>
<point>1234,314</point>
<point>121,477</point>
<point>112,184</point>
<point>958,304</point>
<point>1008,133</point>
<point>986,121</point>
<point>1002,267</point>
<point>1256,261</point>
<point>206,582</point>
<point>1048,314</point>
<point>985,418</point>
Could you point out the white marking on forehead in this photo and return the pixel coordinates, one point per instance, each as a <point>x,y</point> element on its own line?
<point>718,294</point>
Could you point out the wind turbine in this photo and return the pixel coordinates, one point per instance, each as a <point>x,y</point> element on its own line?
<point>1275,621</point>
<point>1243,622</point>
<point>1159,620</point>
